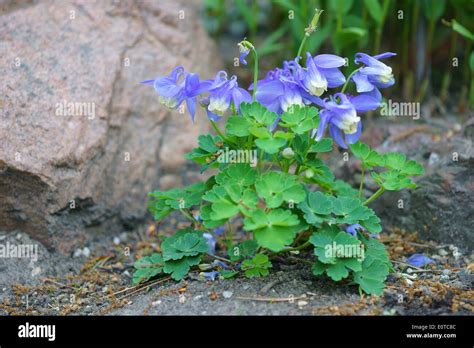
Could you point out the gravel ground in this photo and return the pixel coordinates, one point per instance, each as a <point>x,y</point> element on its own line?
<point>96,281</point>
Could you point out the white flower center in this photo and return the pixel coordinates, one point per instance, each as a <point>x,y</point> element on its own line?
<point>218,106</point>
<point>169,102</point>
<point>348,122</point>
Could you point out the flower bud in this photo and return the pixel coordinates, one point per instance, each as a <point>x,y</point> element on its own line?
<point>288,153</point>
<point>309,173</point>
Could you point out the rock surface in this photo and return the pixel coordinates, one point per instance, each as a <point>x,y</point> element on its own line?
<point>81,142</point>
<point>440,208</point>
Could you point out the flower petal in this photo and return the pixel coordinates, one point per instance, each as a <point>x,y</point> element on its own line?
<point>327,61</point>
<point>362,83</point>
<point>336,134</point>
<point>334,77</point>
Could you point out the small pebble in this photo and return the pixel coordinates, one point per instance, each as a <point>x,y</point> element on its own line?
<point>198,297</point>
<point>116,240</point>
<point>227,294</point>
<point>86,252</point>
<point>447,271</point>
<point>156,303</point>
<point>77,253</point>
<point>182,299</point>
<point>442,252</point>
<point>302,303</point>
<point>36,271</point>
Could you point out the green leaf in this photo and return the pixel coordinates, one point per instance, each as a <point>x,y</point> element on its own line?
<point>375,10</point>
<point>207,152</point>
<point>274,230</point>
<point>242,250</point>
<point>164,202</point>
<point>393,180</point>
<point>256,267</point>
<point>462,30</point>
<point>433,9</point>
<point>372,276</point>
<point>178,269</point>
<point>240,173</point>
<point>376,250</point>
<point>227,273</point>
<point>337,252</point>
<point>258,114</point>
<point>147,267</point>
<point>412,168</point>
<point>395,160</point>
<point>276,188</point>
<point>316,208</point>
<point>271,145</point>
<point>238,126</point>
<point>324,145</point>
<point>183,243</point>
<point>369,157</point>
<point>372,224</point>
<point>300,119</point>
<point>341,6</point>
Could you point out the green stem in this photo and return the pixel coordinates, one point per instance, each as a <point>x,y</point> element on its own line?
<point>302,246</point>
<point>188,216</point>
<point>362,180</point>
<point>255,73</point>
<point>301,46</point>
<point>374,196</point>
<point>348,79</point>
<point>230,237</point>
<point>218,131</point>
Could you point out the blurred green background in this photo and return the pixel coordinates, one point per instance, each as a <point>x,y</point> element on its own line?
<point>433,39</point>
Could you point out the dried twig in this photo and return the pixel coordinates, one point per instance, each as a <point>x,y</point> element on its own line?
<point>271,299</point>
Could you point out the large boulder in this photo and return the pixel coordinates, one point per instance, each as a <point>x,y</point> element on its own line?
<point>440,208</point>
<point>81,141</point>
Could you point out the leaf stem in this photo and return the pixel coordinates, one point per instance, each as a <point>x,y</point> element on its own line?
<point>374,196</point>
<point>361,180</point>
<point>255,73</point>
<point>302,246</point>
<point>218,131</point>
<point>348,79</point>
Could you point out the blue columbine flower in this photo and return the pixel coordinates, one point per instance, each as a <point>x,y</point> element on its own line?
<point>179,86</point>
<point>222,92</point>
<point>342,118</point>
<point>322,72</point>
<point>280,88</point>
<point>419,260</point>
<point>210,276</point>
<point>352,229</point>
<point>244,52</point>
<point>374,74</point>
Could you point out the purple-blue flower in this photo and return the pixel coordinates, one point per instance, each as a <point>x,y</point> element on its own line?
<point>342,118</point>
<point>419,260</point>
<point>374,74</point>
<point>280,88</point>
<point>322,72</point>
<point>244,52</point>
<point>219,230</point>
<point>222,92</point>
<point>179,86</point>
<point>352,229</point>
<point>210,276</point>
